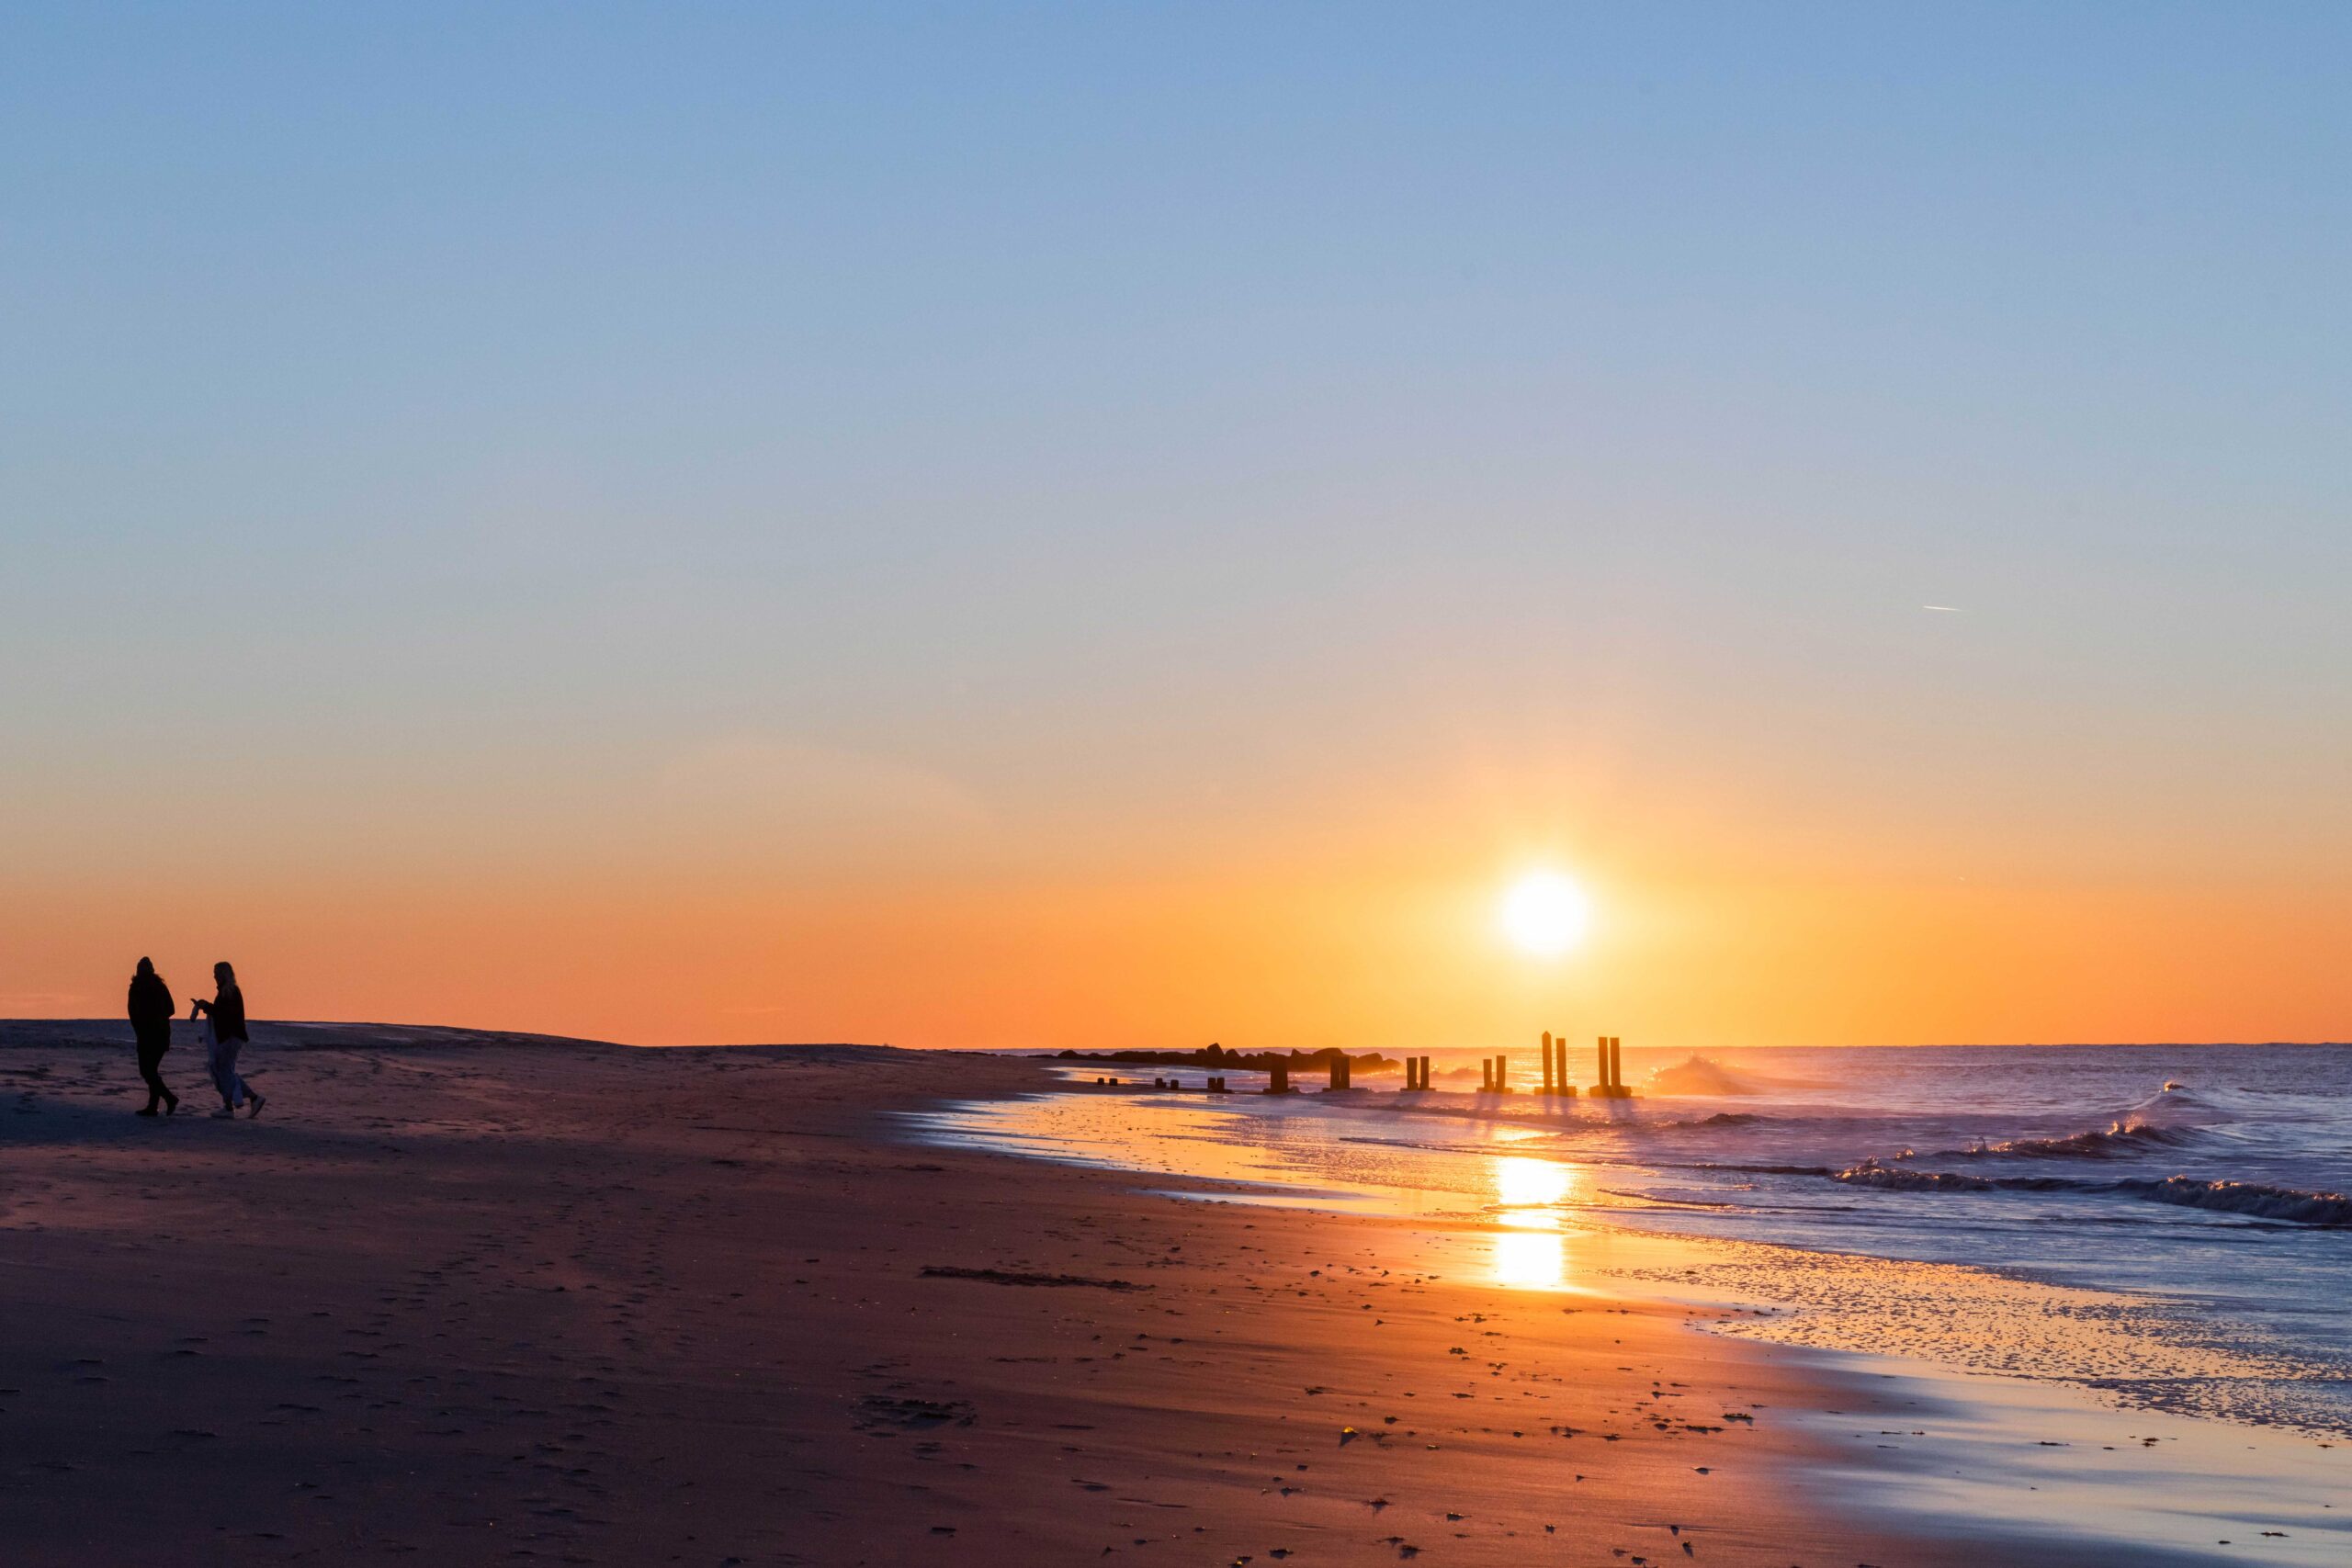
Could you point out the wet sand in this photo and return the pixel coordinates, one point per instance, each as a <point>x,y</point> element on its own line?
<point>510,1301</point>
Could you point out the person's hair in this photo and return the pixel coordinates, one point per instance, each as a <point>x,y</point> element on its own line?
<point>221,971</point>
<point>146,966</point>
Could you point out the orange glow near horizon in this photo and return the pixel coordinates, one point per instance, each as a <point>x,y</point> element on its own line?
<point>1370,925</point>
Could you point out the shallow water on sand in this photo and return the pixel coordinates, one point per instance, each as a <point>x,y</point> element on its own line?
<point>2168,1224</point>
<point>2140,1319</point>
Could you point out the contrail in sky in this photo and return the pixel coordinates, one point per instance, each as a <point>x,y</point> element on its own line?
<point>1947,609</point>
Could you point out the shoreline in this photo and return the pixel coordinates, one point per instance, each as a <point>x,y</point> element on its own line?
<point>622,1304</point>
<point>2007,1362</point>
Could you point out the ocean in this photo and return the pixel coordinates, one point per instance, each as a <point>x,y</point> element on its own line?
<point>2167,1225</point>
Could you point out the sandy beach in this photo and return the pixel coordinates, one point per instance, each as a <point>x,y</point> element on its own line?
<point>477,1298</point>
<point>1703,650</point>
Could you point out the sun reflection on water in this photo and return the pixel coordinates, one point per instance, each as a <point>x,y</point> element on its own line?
<point>1531,1253</point>
<point>1524,1184</point>
<point>1285,1155</point>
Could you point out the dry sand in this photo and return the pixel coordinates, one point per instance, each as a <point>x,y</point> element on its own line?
<point>467,1300</point>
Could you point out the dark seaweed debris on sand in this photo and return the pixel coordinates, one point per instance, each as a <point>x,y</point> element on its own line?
<point>1009,1277</point>
<point>879,1411</point>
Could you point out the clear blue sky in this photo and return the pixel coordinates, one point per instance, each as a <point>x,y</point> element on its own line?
<point>448,422</point>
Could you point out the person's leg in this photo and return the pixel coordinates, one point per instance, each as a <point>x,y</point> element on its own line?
<point>232,1087</point>
<point>151,1056</point>
<point>218,1055</point>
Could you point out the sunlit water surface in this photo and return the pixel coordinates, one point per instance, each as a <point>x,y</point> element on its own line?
<point>2164,1223</point>
<point>2161,1228</point>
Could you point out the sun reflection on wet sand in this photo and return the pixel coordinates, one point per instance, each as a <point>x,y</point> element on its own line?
<point>1529,1260</point>
<point>1531,1253</point>
<point>1509,1210</point>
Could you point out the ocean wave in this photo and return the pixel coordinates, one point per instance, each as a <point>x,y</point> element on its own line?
<point>2259,1200</point>
<point>1899,1178</point>
<point>1704,1076</point>
<point>2256,1200</point>
<point>2170,1119</point>
<point>2119,1140</point>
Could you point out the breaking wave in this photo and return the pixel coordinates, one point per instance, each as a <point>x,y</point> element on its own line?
<point>1704,1076</point>
<point>2120,1140</point>
<point>1896,1178</point>
<point>2168,1120</point>
<point>1720,1119</point>
<point>2256,1200</point>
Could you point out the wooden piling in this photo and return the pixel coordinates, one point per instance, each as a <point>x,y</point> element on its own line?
<point>1278,1078</point>
<point>1612,1071</point>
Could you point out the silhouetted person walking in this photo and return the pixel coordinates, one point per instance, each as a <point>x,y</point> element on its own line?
<point>151,1024</point>
<point>228,1010</point>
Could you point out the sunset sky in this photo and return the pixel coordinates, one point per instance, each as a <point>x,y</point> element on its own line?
<point>1132,524</point>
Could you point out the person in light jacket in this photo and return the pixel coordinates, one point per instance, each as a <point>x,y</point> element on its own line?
<point>227,1009</point>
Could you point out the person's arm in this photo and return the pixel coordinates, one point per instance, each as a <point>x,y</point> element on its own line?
<point>194,1006</point>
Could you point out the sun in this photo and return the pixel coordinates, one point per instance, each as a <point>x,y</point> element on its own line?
<point>1546,914</point>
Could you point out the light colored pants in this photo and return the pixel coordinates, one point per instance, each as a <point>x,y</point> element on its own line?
<point>223,1057</point>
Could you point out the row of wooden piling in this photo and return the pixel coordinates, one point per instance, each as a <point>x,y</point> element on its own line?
<point>1494,1073</point>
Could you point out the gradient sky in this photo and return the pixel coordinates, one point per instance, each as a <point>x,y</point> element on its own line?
<point>1127,525</point>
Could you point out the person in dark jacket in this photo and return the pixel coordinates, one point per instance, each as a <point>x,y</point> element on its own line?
<point>228,1011</point>
<point>151,1024</point>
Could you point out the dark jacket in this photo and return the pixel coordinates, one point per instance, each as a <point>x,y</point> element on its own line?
<point>151,1003</point>
<point>228,1011</point>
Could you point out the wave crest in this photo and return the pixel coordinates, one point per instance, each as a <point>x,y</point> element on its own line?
<point>1697,1075</point>
<point>2123,1138</point>
<point>2256,1200</point>
<point>1895,1179</point>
